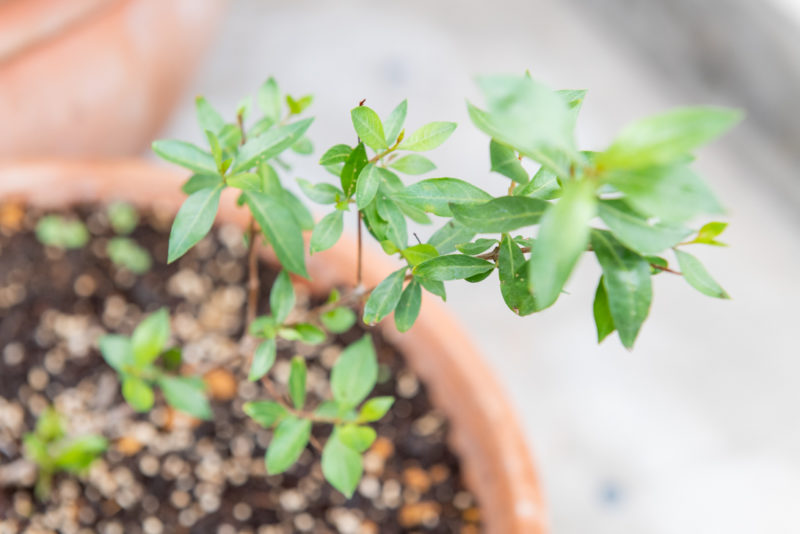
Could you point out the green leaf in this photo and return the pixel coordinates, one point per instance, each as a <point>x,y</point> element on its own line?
<point>264,326</point>
<point>384,298</point>
<point>408,307</point>
<point>544,185</point>
<point>396,231</point>
<point>394,122</point>
<point>435,287</point>
<point>297,382</point>
<point>116,350</point>
<point>123,217</point>
<point>263,359</point>
<point>563,236</point>
<point>320,193</point>
<point>78,454</point>
<point>626,277</point>
<point>358,438</point>
<point>56,231</point>
<point>436,194</point>
<point>452,267</point>
<point>186,155</point>
<point>374,409</point>
<point>355,163</point>
<point>186,394</point>
<point>246,181</point>
<point>281,297</point>
<point>673,194</point>
<point>635,231</point>
<point>298,106</point>
<point>280,228</point>
<point>413,164</point>
<point>428,137</point>
<point>527,116</point>
<point>502,214</point>
<point>336,154</point>
<point>265,413</point>
<point>338,320</point>
<point>513,272</point>
<point>269,100</point>
<point>667,137</point>
<point>602,313</point>
<point>369,128</point>
<point>299,210</point>
<point>137,393</point>
<point>355,373</point>
<point>208,118</point>
<point>419,253</point>
<point>708,233</point>
<point>341,465</point>
<point>367,185</point>
<point>327,231</point>
<point>269,144</point>
<point>698,277</point>
<point>149,338</point>
<point>505,161</point>
<point>171,359</point>
<point>305,332</point>
<point>452,233</point>
<point>201,181</point>
<point>303,146</point>
<point>230,137</point>
<point>126,253</point>
<point>476,247</point>
<point>50,425</point>
<point>290,439</point>
<point>193,221</point>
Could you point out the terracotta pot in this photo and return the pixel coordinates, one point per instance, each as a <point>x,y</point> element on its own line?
<point>95,77</point>
<point>485,432</point>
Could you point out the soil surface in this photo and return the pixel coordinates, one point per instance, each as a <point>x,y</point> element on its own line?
<point>165,472</point>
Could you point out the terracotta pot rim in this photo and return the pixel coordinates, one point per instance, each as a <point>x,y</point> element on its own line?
<point>485,432</point>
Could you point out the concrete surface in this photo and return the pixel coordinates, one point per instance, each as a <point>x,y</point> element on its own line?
<point>698,429</point>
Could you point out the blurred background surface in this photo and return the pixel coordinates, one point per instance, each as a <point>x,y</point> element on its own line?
<point>695,431</point>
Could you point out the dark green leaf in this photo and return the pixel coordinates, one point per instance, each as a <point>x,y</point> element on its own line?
<point>369,128</point>
<point>269,144</point>
<point>355,163</point>
<point>327,231</point>
<point>263,359</point>
<point>367,185</point>
<point>355,373</point>
<point>265,413</point>
<point>563,236</point>
<point>413,164</point>
<point>513,271</point>
<point>384,298</point>
<point>626,277</point>
<point>193,221</point>
<point>698,277</point>
<point>502,214</point>
<point>505,161</point>
<point>436,194</point>
<point>149,338</point>
<point>186,394</point>
<point>297,382</point>
<point>290,439</point>
<point>374,409</point>
<point>396,231</point>
<point>636,231</point>
<point>186,155</point>
<point>280,228</point>
<point>602,313</point>
<point>341,465</point>
<point>435,287</point>
<point>137,393</point>
<point>394,122</point>
<point>408,307</point>
<point>452,267</point>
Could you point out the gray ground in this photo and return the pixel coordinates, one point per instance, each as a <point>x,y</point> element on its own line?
<point>695,431</point>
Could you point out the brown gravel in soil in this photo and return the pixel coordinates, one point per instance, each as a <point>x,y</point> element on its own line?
<point>166,472</point>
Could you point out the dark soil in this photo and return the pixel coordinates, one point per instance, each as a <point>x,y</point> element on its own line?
<point>165,472</point>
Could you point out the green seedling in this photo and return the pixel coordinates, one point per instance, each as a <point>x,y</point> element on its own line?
<point>57,231</point>
<point>125,253</point>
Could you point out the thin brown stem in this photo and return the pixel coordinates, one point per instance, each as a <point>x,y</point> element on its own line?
<point>360,248</point>
<point>253,283</point>
<point>665,269</point>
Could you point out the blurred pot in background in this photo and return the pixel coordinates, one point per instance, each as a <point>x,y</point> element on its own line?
<point>95,77</point>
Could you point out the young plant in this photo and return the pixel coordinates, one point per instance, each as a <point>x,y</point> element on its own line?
<point>134,359</point>
<point>57,231</point>
<point>52,450</point>
<point>628,205</point>
<point>124,251</point>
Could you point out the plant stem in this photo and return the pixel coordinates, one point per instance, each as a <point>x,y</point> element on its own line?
<point>253,283</point>
<point>358,267</point>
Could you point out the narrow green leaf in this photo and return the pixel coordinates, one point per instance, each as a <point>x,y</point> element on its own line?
<point>359,438</point>
<point>269,99</point>
<point>281,297</point>
<point>303,146</point>
<point>635,231</point>
<point>269,144</point>
<point>708,233</point>
<point>137,393</point>
<point>505,161</point>
<point>327,231</point>
<point>336,154</point>
<point>263,359</point>
<point>563,236</point>
<point>397,232</point>
<point>419,253</point>
<point>435,287</point>
<point>320,193</point>
<point>369,128</point>
<point>77,454</point>
<point>502,214</point>
<point>193,221</point>
<point>186,155</point>
<point>246,181</point>
<point>355,373</point>
<point>374,409</point>
<point>666,137</point>
<point>299,210</point>
<point>394,122</point>
<point>544,185</point>
<point>297,382</point>
<point>476,247</point>
<point>452,267</point>
<point>264,326</point>
<point>367,185</point>
<point>436,194</point>
<point>149,338</point>
<point>428,137</point>
<point>280,228</point>
<point>408,306</point>
<point>186,394</point>
<point>384,298</point>
<point>602,313</point>
<point>201,181</point>
<point>696,274</point>
<point>341,465</point>
<point>265,413</point>
<point>305,332</point>
<point>355,163</point>
<point>626,277</point>
<point>290,439</point>
<point>513,272</point>
<point>338,320</point>
<point>452,233</point>
<point>297,106</point>
<point>207,117</point>
<point>413,164</point>
<point>116,350</point>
